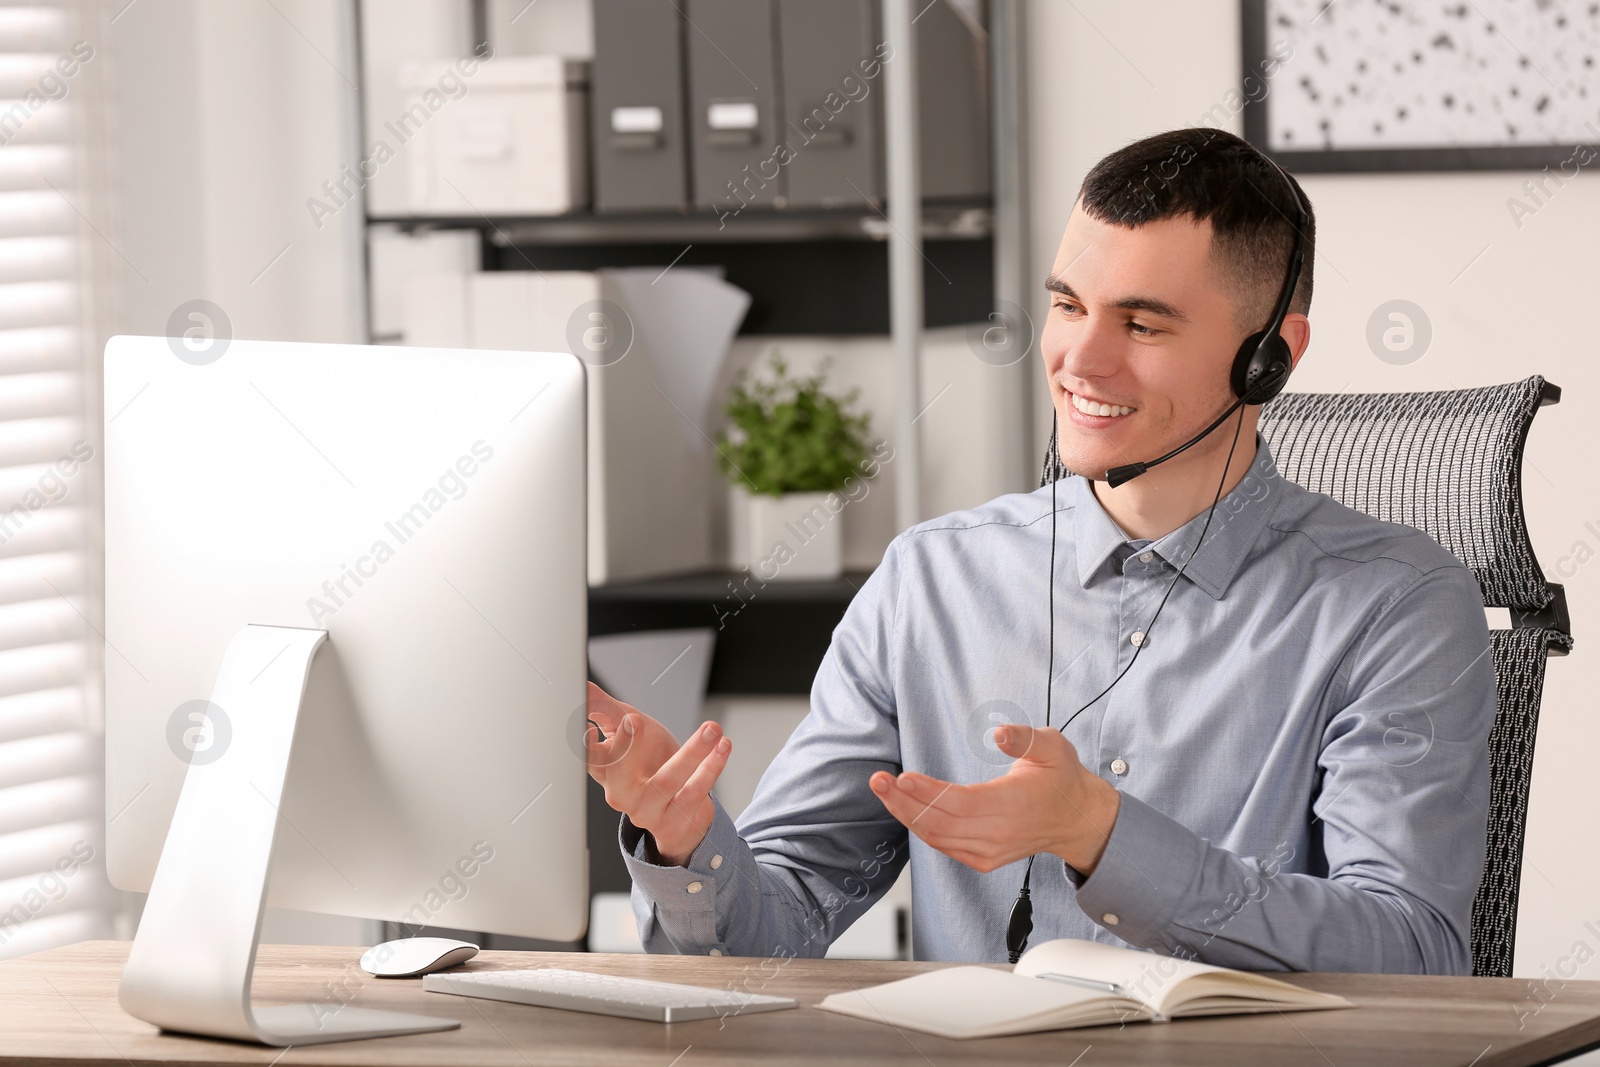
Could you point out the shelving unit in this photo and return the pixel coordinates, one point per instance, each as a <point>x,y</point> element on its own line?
<point>833,272</point>
<point>821,272</point>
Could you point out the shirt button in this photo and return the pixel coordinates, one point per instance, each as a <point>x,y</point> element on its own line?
<point>1110,918</point>
<point>716,952</point>
<point>693,887</point>
<point>1146,557</point>
<point>716,861</point>
<point>1119,767</point>
<point>1136,638</point>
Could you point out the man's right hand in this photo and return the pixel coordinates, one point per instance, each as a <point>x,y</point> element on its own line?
<point>662,787</point>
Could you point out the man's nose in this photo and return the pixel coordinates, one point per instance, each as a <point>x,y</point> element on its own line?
<point>1095,351</point>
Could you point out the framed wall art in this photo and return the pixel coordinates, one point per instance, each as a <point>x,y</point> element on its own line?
<point>1423,85</point>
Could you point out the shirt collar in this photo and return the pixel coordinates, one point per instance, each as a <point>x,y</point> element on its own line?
<point>1240,516</point>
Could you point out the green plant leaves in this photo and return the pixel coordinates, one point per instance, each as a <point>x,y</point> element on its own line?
<point>788,435</point>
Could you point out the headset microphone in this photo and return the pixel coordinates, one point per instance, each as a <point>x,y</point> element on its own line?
<point>1117,475</point>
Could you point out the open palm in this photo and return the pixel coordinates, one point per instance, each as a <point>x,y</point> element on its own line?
<point>663,787</point>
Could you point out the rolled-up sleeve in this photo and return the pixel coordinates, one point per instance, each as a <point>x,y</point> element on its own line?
<point>1399,820</point>
<point>815,848</point>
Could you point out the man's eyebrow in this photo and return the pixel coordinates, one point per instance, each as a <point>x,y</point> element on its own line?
<point>1131,303</point>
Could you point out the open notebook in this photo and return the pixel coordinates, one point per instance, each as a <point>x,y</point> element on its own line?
<point>1066,983</point>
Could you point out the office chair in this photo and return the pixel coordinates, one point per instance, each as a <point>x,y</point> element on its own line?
<point>1448,463</point>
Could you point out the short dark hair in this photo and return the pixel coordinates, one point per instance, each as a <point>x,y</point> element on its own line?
<point>1211,175</point>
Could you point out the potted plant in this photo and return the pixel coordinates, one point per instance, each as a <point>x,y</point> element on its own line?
<point>795,455</point>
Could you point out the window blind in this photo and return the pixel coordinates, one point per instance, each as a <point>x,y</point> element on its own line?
<point>52,888</point>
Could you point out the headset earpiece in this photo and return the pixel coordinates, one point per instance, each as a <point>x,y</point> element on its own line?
<point>1261,369</point>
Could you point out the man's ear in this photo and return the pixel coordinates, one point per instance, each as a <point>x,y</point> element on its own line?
<point>1297,331</point>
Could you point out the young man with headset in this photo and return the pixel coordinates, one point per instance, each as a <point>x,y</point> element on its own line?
<point>1293,776</point>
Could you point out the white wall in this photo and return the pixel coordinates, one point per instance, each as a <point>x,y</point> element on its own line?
<point>226,119</point>
<point>1101,77</point>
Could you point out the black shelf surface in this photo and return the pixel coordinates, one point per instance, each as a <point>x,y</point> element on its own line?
<point>807,272</point>
<point>769,639</point>
<point>943,222</point>
<point>827,288</point>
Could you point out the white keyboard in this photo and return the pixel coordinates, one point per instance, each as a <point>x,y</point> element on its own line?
<point>604,994</point>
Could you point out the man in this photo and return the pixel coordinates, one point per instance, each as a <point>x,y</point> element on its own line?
<point>1294,775</point>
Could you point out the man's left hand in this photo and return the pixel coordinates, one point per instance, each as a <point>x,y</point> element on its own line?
<point>1047,802</point>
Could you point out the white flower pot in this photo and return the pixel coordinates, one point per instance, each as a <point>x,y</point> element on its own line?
<point>793,537</point>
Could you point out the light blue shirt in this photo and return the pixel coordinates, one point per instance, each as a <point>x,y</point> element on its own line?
<point>1301,749</point>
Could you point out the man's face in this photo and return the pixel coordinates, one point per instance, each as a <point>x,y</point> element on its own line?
<point>1142,319</point>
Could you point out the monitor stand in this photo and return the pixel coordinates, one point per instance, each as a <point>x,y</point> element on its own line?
<point>191,962</point>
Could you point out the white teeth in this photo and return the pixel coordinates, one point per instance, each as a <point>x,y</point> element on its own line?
<point>1089,407</point>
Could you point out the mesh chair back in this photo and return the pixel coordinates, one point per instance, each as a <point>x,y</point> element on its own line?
<point>1450,464</point>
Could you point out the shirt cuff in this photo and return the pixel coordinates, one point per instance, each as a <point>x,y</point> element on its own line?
<point>1143,877</point>
<point>685,898</point>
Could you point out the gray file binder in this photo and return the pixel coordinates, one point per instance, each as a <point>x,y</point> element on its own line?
<point>733,97</point>
<point>637,113</point>
<point>832,59</point>
<point>953,100</point>
<point>832,99</point>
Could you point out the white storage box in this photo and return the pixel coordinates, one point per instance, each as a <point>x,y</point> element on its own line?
<point>511,139</point>
<point>394,258</point>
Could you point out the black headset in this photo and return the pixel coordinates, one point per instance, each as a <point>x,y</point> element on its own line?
<point>1260,371</point>
<point>1261,368</point>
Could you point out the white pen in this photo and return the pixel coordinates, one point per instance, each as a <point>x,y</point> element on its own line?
<point>1087,983</point>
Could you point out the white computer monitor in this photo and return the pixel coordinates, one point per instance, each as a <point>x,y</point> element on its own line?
<point>425,509</point>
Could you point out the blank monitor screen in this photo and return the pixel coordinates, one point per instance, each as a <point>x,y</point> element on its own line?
<point>426,508</point>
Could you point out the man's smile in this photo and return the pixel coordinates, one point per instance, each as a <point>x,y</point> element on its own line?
<point>1099,410</point>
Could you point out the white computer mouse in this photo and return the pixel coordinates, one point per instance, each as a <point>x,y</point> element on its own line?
<point>413,956</point>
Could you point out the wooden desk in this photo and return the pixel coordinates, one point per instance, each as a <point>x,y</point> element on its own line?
<point>60,1007</point>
